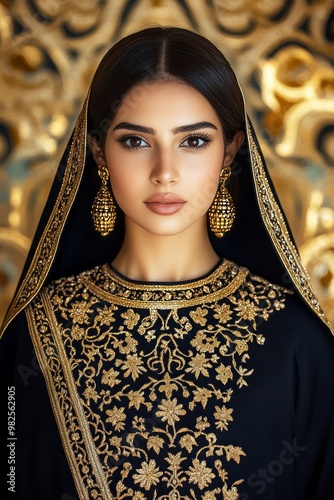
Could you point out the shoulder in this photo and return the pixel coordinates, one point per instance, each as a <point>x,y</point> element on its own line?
<point>254,285</point>
<point>72,285</point>
<point>299,338</point>
<point>74,279</point>
<point>296,324</point>
<point>312,340</point>
<point>304,327</point>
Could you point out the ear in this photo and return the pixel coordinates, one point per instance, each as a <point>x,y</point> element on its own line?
<point>96,150</point>
<point>232,148</point>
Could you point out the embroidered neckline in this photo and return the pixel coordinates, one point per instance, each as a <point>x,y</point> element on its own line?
<point>216,270</point>
<point>108,284</point>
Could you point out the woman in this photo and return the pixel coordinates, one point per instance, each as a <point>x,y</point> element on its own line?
<point>164,342</point>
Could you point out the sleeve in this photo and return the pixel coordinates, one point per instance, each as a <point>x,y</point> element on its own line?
<point>313,446</point>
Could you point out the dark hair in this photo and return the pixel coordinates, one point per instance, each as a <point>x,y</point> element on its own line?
<point>164,53</point>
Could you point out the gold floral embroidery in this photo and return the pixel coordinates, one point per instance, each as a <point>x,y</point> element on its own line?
<point>109,377</point>
<point>223,313</point>
<point>132,366</point>
<point>198,365</point>
<point>170,411</point>
<point>223,416</point>
<point>79,312</point>
<point>130,318</point>
<point>106,315</point>
<point>156,443</point>
<point>155,369</point>
<point>224,372</point>
<point>116,417</point>
<point>199,316</point>
<point>246,309</point>
<point>200,474</point>
<point>148,475</point>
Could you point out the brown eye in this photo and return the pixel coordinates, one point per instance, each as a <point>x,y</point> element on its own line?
<point>135,142</point>
<point>193,142</point>
<point>196,142</point>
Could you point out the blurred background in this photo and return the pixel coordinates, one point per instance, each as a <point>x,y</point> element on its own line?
<point>281,50</point>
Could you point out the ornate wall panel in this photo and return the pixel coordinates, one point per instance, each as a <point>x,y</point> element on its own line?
<point>282,50</point>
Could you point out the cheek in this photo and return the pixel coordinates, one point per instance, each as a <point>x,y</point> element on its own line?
<point>122,174</point>
<point>203,188</point>
<point>201,196</point>
<point>127,185</point>
<point>205,176</point>
<point>122,183</point>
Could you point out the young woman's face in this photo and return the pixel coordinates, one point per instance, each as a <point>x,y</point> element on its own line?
<point>164,151</point>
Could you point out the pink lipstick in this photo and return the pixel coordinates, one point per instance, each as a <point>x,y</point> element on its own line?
<point>164,203</point>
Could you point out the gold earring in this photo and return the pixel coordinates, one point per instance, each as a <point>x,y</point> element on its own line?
<point>222,210</point>
<point>103,209</point>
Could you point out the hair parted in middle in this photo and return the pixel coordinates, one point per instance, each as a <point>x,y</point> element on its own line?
<point>164,54</point>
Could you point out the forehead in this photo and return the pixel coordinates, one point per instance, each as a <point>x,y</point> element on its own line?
<point>171,102</point>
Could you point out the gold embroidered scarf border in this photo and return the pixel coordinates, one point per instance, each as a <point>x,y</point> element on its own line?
<point>279,234</point>
<point>49,241</point>
<point>78,443</point>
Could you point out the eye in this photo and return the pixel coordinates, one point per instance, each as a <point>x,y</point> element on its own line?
<point>198,141</point>
<point>132,142</point>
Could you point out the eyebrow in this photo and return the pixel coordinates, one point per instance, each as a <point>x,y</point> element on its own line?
<point>177,130</point>
<point>193,127</point>
<point>135,128</point>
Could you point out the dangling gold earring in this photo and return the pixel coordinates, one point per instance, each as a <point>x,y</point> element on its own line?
<point>103,209</point>
<point>222,210</point>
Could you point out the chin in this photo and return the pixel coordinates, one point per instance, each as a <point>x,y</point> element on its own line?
<point>167,229</point>
<point>164,226</point>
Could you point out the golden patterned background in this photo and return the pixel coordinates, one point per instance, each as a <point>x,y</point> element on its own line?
<point>282,51</point>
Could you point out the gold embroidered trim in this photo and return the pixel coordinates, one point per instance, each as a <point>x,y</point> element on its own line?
<point>276,227</point>
<point>56,403</point>
<point>74,432</point>
<point>226,279</point>
<point>48,243</point>
<point>111,369</point>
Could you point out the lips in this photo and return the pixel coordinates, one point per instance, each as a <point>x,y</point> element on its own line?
<point>164,203</point>
<point>165,198</point>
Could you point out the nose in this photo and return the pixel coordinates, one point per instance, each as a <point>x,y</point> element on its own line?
<point>164,170</point>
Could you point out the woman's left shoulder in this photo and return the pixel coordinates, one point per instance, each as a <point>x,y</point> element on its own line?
<point>295,322</point>
<point>303,323</point>
<point>302,332</point>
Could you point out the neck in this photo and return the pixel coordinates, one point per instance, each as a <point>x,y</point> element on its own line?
<point>149,257</point>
